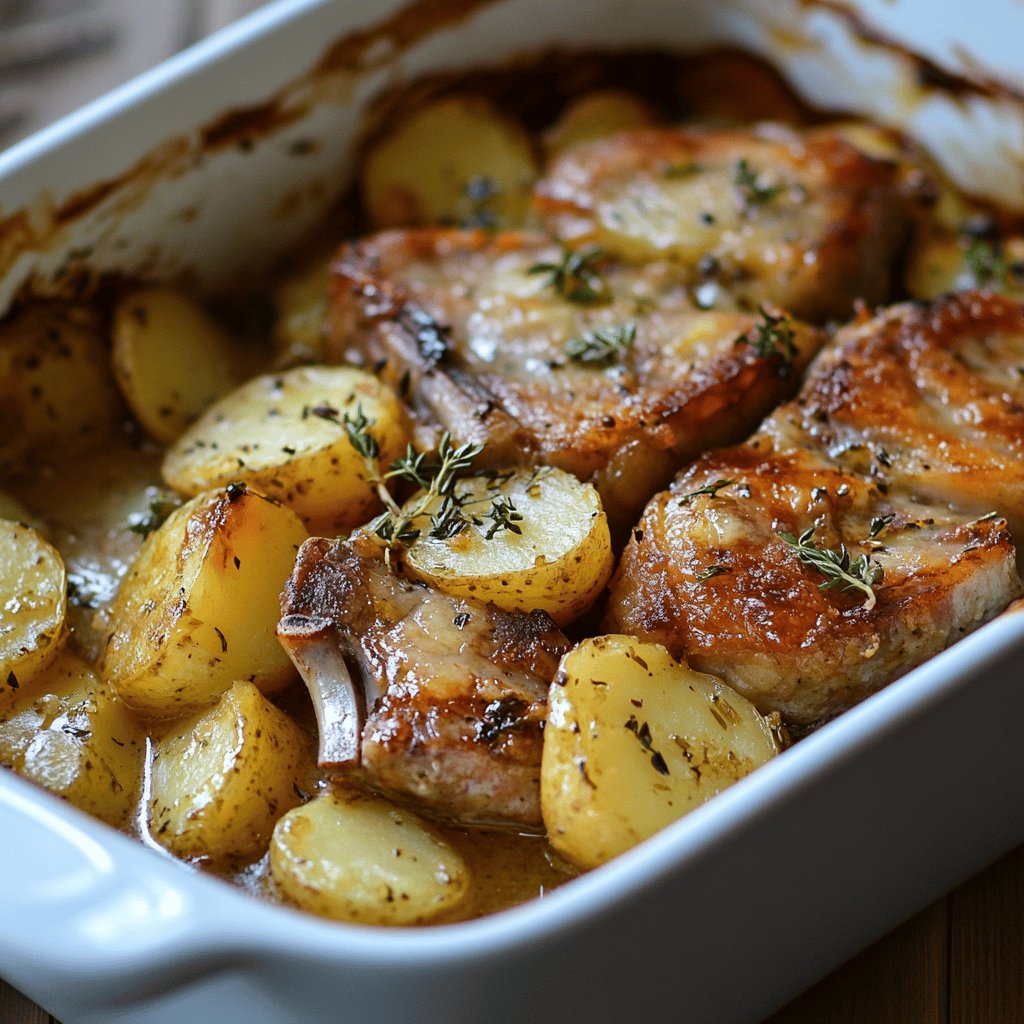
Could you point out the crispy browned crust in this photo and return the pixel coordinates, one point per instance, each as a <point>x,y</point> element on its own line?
<point>928,409</point>
<point>926,399</point>
<point>828,237</point>
<point>501,376</point>
<point>458,690</point>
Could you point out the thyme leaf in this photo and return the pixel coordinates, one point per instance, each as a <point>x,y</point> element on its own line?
<point>836,566</point>
<point>711,490</point>
<point>160,504</point>
<point>774,340</point>
<point>601,345</point>
<point>711,572</point>
<point>575,277</point>
<point>751,186</point>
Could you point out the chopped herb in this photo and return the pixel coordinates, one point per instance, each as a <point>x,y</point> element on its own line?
<point>986,262</point>
<point>642,731</point>
<point>431,336</point>
<point>460,620</point>
<point>575,277</point>
<point>836,566</point>
<point>751,187</point>
<point>685,170</point>
<point>481,191</point>
<point>161,504</point>
<point>601,345</point>
<point>773,340</point>
<point>358,429</point>
<point>711,490</point>
<point>878,524</point>
<point>711,572</point>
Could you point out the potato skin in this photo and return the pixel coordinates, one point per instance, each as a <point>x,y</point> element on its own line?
<point>558,562</point>
<point>33,596</point>
<point>635,740</point>
<point>76,739</point>
<point>284,435</point>
<point>171,359</point>
<point>221,780</point>
<point>353,857</point>
<point>198,608</point>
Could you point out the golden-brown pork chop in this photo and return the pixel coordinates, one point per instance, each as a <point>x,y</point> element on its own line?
<point>711,576</point>
<point>609,372</point>
<point>448,704</point>
<point>770,213</point>
<point>926,399</point>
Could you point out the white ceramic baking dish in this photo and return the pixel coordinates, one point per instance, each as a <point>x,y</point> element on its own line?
<point>734,909</point>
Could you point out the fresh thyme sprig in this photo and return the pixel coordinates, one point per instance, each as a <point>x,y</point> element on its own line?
<point>711,490</point>
<point>448,511</point>
<point>836,566</point>
<point>601,345</point>
<point>575,277</point>
<point>774,340</point>
<point>752,189</point>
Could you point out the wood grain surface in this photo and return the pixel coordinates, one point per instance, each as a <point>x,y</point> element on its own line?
<point>961,961</point>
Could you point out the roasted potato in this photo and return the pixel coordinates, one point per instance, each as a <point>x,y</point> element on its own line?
<point>171,359</point>
<point>595,114</point>
<point>221,780</point>
<point>300,304</point>
<point>33,597</point>
<point>199,606</point>
<point>353,857</point>
<point>536,538</point>
<point>77,740</point>
<point>284,434</point>
<point>454,161</point>
<point>56,392</point>
<point>633,741</point>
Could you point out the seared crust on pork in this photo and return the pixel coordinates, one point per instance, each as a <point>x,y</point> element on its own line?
<point>460,325</point>
<point>907,433</point>
<point>926,399</point>
<point>799,218</point>
<point>762,621</point>
<point>456,691</point>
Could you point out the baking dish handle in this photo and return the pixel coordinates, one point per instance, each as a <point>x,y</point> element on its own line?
<point>113,908</point>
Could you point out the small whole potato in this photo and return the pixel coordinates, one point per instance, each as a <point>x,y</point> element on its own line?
<point>284,434</point>
<point>33,601</point>
<point>634,740</point>
<point>221,780</point>
<point>536,539</point>
<point>353,857</point>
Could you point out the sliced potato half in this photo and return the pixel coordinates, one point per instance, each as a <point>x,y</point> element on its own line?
<point>359,858</point>
<point>199,607</point>
<point>300,301</point>
<point>171,359</point>
<point>222,780</point>
<point>635,740</point>
<point>553,552</point>
<point>33,604</point>
<point>77,740</point>
<point>457,161</point>
<point>284,434</point>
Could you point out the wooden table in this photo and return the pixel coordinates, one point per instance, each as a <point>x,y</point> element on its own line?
<point>961,961</point>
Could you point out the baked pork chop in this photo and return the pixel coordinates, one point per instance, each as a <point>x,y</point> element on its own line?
<point>447,703</point>
<point>549,357</point>
<point>796,217</point>
<point>926,399</point>
<point>874,482</point>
